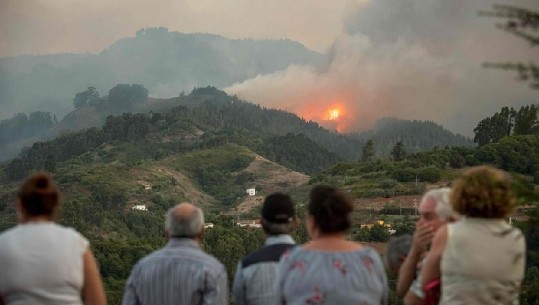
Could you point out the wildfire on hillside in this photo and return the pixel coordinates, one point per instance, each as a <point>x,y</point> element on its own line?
<point>333,116</point>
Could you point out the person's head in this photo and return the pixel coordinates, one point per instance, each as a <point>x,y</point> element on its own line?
<point>185,221</point>
<point>38,197</point>
<point>278,215</point>
<point>435,208</point>
<point>396,251</point>
<point>329,211</point>
<point>483,192</point>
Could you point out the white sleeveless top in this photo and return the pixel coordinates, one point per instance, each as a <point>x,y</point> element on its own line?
<point>41,263</point>
<point>483,263</point>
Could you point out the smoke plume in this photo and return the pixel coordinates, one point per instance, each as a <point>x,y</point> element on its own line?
<point>412,59</point>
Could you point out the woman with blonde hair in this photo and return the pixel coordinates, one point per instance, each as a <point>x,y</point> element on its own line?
<point>42,262</point>
<point>481,258</point>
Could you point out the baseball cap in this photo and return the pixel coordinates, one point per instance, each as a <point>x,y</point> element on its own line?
<point>278,208</point>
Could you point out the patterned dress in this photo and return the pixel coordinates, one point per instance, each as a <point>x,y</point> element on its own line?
<point>309,277</point>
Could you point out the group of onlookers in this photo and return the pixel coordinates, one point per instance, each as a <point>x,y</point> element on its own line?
<point>462,252</point>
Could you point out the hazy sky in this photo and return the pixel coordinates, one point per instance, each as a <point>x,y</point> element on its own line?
<point>414,59</point>
<point>53,26</point>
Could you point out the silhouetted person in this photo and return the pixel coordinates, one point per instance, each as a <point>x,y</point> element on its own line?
<point>180,273</point>
<point>254,281</point>
<point>42,262</point>
<point>396,251</point>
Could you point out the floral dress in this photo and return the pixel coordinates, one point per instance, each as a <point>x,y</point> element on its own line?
<point>309,277</point>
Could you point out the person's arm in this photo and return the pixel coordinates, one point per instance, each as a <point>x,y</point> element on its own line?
<point>238,288</point>
<point>412,299</point>
<point>280,278</point>
<point>92,292</point>
<point>380,270</point>
<point>216,290</point>
<point>408,271</point>
<point>130,295</point>
<point>222,294</point>
<point>431,269</point>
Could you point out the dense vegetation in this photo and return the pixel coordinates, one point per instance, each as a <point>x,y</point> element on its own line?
<point>209,117</point>
<point>22,126</point>
<point>507,122</point>
<point>415,136</point>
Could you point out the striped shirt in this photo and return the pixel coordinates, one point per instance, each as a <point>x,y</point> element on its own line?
<point>180,273</point>
<point>254,281</point>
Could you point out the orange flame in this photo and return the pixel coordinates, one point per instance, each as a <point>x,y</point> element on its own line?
<point>332,114</point>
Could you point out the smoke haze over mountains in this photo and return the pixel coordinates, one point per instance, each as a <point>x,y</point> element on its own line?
<point>412,59</point>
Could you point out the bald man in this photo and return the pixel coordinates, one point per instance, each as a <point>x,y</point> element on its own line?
<point>180,273</point>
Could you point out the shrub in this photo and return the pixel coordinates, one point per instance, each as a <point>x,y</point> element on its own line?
<point>430,174</point>
<point>404,174</point>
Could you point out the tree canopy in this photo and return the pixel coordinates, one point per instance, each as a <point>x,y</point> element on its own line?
<point>84,97</point>
<point>507,122</point>
<point>523,23</point>
<point>398,153</point>
<point>367,154</point>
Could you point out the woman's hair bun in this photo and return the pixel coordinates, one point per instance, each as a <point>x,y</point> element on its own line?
<point>42,180</point>
<point>39,195</point>
<point>331,209</point>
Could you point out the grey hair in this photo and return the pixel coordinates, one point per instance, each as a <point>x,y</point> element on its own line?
<point>444,210</point>
<point>273,228</point>
<point>184,225</point>
<point>397,247</point>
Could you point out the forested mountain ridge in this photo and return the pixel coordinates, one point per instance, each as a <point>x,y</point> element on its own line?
<point>164,62</point>
<point>415,135</point>
<point>206,117</point>
<point>216,110</point>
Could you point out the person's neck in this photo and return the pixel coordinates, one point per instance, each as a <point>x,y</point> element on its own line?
<point>276,235</point>
<point>197,239</point>
<point>40,218</point>
<point>328,236</point>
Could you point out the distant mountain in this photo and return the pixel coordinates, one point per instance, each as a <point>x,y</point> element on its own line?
<point>166,63</point>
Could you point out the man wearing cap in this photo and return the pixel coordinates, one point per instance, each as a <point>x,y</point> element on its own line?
<point>255,275</point>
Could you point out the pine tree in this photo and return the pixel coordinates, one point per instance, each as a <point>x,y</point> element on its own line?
<point>398,152</point>
<point>368,151</point>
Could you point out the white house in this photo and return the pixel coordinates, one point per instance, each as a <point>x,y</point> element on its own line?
<point>147,186</point>
<point>140,207</point>
<point>249,224</point>
<point>251,191</point>
<point>208,225</point>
